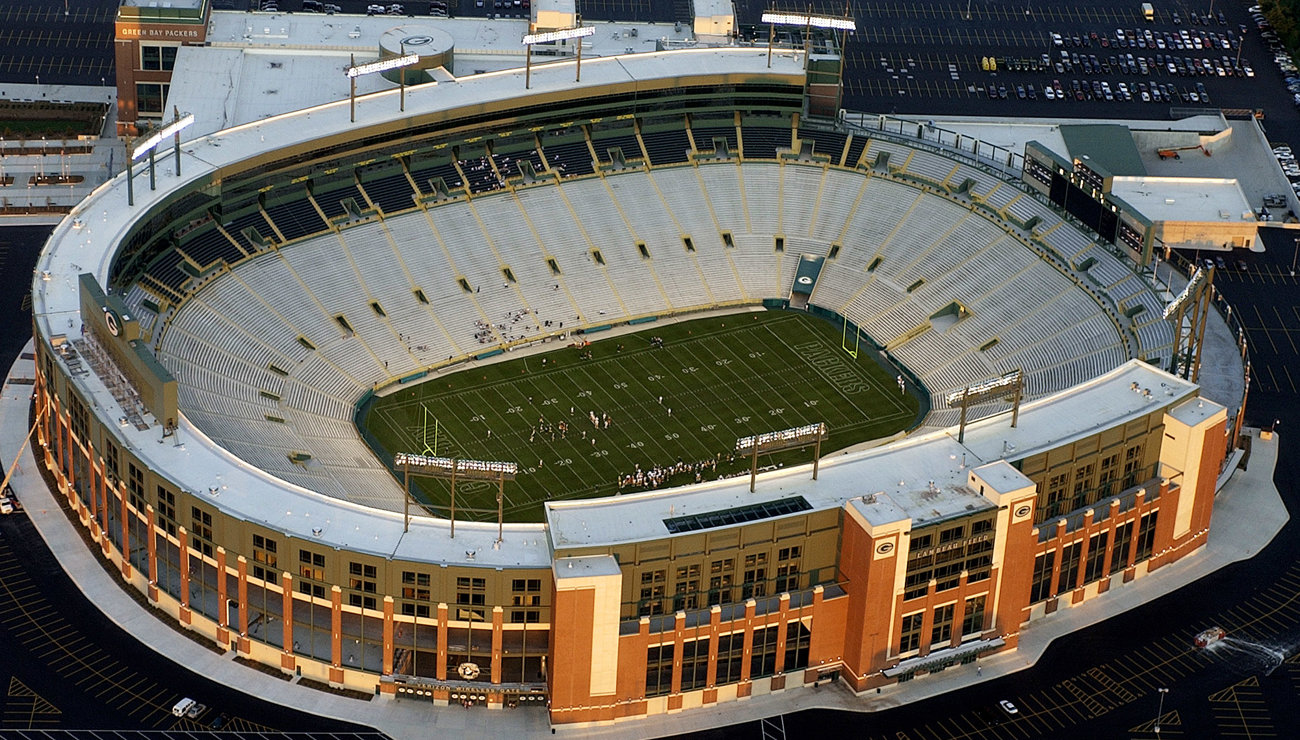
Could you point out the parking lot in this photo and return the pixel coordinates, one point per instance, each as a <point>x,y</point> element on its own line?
<point>63,664</point>
<point>934,58</point>
<point>39,40</point>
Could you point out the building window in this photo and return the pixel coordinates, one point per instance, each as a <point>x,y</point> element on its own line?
<point>941,632</point>
<point>731,657</point>
<point>1069,577</point>
<point>110,461</point>
<point>265,559</point>
<point>1133,466</point>
<point>755,582</point>
<point>687,595</point>
<point>911,637</point>
<point>1055,503</point>
<point>311,567</point>
<point>762,661</point>
<point>526,592</point>
<point>167,510</point>
<point>787,569</point>
<point>1123,540</point>
<point>150,98</point>
<point>1041,585</point>
<point>981,526</point>
<point>720,581</point>
<point>659,670</point>
<point>1083,482</point>
<point>972,621</point>
<point>1109,473</point>
<point>201,528</point>
<point>415,588</point>
<point>157,58</point>
<point>135,490</point>
<point>471,593</point>
<point>695,664</point>
<point>1096,557</point>
<point>652,593</point>
<point>525,616</point>
<point>797,639</point>
<point>1146,536</point>
<point>362,578</point>
<point>952,534</point>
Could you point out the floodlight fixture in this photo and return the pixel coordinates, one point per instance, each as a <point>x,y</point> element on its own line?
<point>785,439</point>
<point>560,34</point>
<point>355,70</point>
<point>1198,277</point>
<point>383,65</point>
<point>149,144</point>
<point>453,469</point>
<point>815,21</point>
<point>1011,384</point>
<point>985,388</point>
<point>842,24</point>
<point>154,139</point>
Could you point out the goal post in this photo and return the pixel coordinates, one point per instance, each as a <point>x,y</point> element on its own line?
<point>844,338</point>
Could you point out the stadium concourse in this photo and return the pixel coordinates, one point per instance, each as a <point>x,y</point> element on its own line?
<point>201,349</point>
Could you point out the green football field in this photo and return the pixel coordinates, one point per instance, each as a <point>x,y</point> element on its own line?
<point>711,381</point>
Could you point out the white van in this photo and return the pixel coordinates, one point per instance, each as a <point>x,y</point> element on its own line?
<point>187,707</point>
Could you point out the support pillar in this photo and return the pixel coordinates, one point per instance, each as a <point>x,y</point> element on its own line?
<point>781,635</point>
<point>498,620</point>
<point>183,549</point>
<point>441,673</point>
<point>386,665</point>
<point>123,499</point>
<point>151,545</point>
<point>223,601</point>
<point>336,635</point>
<point>288,660</point>
<point>245,645</point>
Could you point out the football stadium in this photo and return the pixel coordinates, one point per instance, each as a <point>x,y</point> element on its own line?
<point>637,393</point>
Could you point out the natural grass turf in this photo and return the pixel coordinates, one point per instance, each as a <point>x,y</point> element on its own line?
<point>721,377</point>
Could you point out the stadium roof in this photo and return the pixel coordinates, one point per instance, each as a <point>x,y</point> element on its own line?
<point>924,478</point>
<point>1107,144</point>
<point>1189,199</point>
<point>258,65</point>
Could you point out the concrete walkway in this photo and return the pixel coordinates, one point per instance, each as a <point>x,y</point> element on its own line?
<point>1248,513</point>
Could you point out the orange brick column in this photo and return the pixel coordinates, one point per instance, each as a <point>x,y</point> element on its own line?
<point>126,529</point>
<point>498,619</point>
<point>183,549</point>
<point>715,620</point>
<point>245,645</point>
<point>336,634</point>
<point>151,546</point>
<point>386,664</point>
<point>744,688</point>
<point>442,642</point>
<point>288,661</point>
<point>223,601</point>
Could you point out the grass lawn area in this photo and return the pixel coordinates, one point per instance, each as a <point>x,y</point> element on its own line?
<point>712,380</point>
